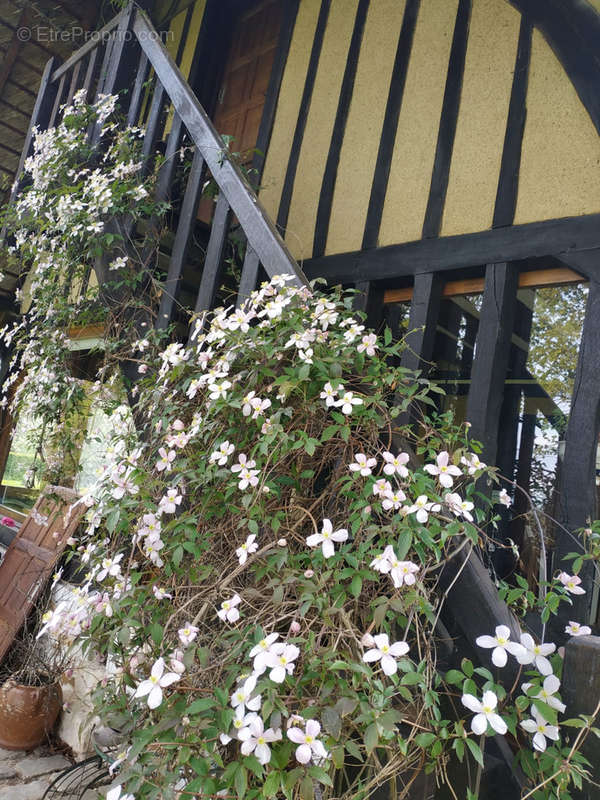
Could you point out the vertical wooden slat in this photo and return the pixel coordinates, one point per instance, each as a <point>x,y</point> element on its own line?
<point>74,82</point>
<point>249,276</point>
<point>213,263</point>
<point>491,355</point>
<point>89,73</point>
<point>57,101</point>
<point>577,482</point>
<point>508,182</point>
<point>369,298</point>
<point>187,216</point>
<point>448,120</point>
<point>152,125</point>
<point>390,124</point>
<point>138,87</point>
<point>423,319</point>
<point>165,177</point>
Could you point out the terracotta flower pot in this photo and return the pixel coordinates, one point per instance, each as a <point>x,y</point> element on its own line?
<point>27,714</point>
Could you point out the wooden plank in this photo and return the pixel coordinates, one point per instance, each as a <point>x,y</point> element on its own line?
<point>309,83</point>
<point>580,692</point>
<point>89,73</point>
<point>187,216</point>
<point>152,126</point>
<point>135,103</point>
<point>254,220</point>
<point>422,322</point>
<point>337,135</point>
<point>213,261</point>
<point>167,168</point>
<point>527,280</point>
<point>57,102</point>
<point>577,479</point>
<point>290,12</point>
<point>447,130</point>
<point>249,276</point>
<point>369,299</point>
<point>390,124</point>
<point>74,82</point>
<point>31,556</point>
<point>492,351</point>
<point>508,182</point>
<point>530,240</point>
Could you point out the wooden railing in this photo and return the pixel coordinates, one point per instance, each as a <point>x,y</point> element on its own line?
<point>127,57</point>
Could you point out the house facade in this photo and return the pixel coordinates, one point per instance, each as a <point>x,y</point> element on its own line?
<point>440,156</point>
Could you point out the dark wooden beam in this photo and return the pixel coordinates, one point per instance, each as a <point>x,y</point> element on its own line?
<point>290,12</point>
<point>337,135</point>
<point>577,480</point>
<point>573,31</point>
<point>12,52</point>
<point>309,83</point>
<point>369,299</point>
<point>390,124</point>
<point>516,242</point>
<point>449,116</point>
<point>508,182</point>
<point>492,351</point>
<point>422,322</point>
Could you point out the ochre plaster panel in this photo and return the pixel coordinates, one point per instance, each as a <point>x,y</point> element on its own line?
<point>487,82</point>
<point>560,164</point>
<point>416,137</point>
<point>288,104</point>
<point>364,125</point>
<point>317,136</point>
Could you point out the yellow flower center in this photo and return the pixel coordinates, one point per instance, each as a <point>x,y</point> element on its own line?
<point>309,739</point>
<point>540,728</point>
<point>385,648</point>
<point>501,640</point>
<point>153,679</point>
<point>487,709</point>
<point>260,740</point>
<point>282,660</point>
<point>326,535</point>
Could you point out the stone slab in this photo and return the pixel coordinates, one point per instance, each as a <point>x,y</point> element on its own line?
<point>33,766</point>
<point>7,771</point>
<point>25,791</point>
<point>11,755</point>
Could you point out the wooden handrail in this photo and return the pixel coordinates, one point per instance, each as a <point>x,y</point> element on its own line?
<point>95,38</point>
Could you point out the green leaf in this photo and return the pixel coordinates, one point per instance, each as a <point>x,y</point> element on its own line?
<point>253,526</point>
<point>459,748</point>
<point>332,722</point>
<point>241,781</point>
<point>307,791</point>
<point>353,750</point>
<point>425,739</point>
<point>356,586</point>
<point>475,751</point>
<point>455,677</point>
<point>467,667</point>
<point>320,775</point>
<point>203,704</point>
<point>271,784</point>
<point>371,738</point>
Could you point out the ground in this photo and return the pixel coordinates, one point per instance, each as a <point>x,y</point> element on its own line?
<point>26,776</point>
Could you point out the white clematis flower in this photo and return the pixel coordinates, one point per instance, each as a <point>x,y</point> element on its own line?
<point>310,747</point>
<point>153,686</point>
<point>547,691</point>
<point>386,653</point>
<point>281,659</point>
<point>243,696</point>
<point>228,611</point>
<point>575,629</point>
<point>502,645</point>
<point>255,739</point>
<point>326,538</point>
<point>246,549</point>
<point>536,654</point>
<point>443,469</point>
<point>485,712</point>
<point>362,464</point>
<point>540,729</point>
<point>260,651</point>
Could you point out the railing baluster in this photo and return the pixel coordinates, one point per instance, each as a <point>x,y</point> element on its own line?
<point>89,73</point>
<point>187,217</point>
<point>249,276</point>
<point>152,126</point>
<point>74,80</point>
<point>138,87</point>
<point>57,101</point>
<point>165,177</point>
<point>213,263</point>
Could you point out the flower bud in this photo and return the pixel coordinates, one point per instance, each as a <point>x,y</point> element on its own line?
<point>308,573</point>
<point>295,627</point>
<point>282,542</point>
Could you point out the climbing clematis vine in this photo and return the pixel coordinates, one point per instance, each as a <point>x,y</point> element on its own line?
<point>326,538</point>
<point>541,730</point>
<point>255,739</point>
<point>153,686</point>
<point>310,747</point>
<point>443,470</point>
<point>485,712</point>
<point>502,645</point>
<point>386,653</point>
<point>536,654</point>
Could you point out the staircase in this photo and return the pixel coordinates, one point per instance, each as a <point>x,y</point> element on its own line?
<point>127,57</point>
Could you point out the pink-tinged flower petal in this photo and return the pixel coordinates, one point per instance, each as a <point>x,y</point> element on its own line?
<point>144,688</point>
<point>503,631</point>
<point>328,548</point>
<point>486,641</point>
<point>431,469</point>
<point>155,697</point>
<point>314,539</point>
<point>497,724</point>
<point>263,753</point>
<point>381,640</point>
<point>313,728</point>
<point>479,724</point>
<point>372,655</point>
<point>529,725</point>
<point>296,735</point>
<point>168,679</point>
<point>446,480</point>
<point>472,703</point>
<point>340,536</point>
<point>543,665</point>
<point>539,742</point>
<point>499,657</point>
<point>277,675</point>
<point>327,526</point>
<point>422,516</point>
<point>319,750</point>
<point>303,754</point>
<point>243,734</point>
<point>516,649</point>
<point>489,699</point>
<point>399,649</point>
<point>551,684</point>
<point>388,665</point>
<point>443,458</point>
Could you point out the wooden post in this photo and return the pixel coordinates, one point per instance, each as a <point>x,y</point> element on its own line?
<point>422,322</point>
<point>581,694</point>
<point>577,482</point>
<point>491,355</point>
